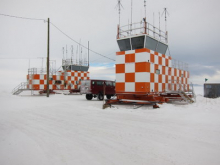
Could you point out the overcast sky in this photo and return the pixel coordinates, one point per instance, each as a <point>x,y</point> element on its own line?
<point>193,27</point>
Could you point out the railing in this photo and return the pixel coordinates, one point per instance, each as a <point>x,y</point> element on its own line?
<point>179,65</point>
<point>21,86</point>
<point>41,71</point>
<point>142,27</point>
<point>179,86</point>
<point>68,62</point>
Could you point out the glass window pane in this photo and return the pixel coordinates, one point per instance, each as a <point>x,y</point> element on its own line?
<point>161,48</point>
<point>151,43</point>
<point>137,42</point>
<point>124,44</point>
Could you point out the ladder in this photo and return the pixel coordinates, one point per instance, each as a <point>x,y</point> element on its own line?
<point>20,88</point>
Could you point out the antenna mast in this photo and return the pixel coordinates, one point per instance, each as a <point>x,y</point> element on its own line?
<point>72,58</point>
<point>63,53</point>
<point>66,51</point>
<point>145,8</point>
<point>166,13</point>
<point>131,12</point>
<point>131,17</point>
<point>159,20</point>
<point>119,5</point>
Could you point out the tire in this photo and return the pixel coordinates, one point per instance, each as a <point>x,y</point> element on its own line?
<point>89,96</point>
<point>100,96</point>
<point>108,96</point>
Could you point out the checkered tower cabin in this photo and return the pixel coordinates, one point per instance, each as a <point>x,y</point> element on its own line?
<point>67,79</point>
<point>141,64</point>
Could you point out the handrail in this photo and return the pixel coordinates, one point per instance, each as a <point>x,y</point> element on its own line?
<point>142,27</point>
<point>41,71</point>
<point>68,62</point>
<point>22,85</point>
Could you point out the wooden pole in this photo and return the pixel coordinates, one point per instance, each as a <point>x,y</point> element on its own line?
<point>48,55</point>
<point>88,55</point>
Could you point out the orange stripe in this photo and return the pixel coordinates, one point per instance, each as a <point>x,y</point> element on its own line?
<point>160,78</point>
<point>156,87</point>
<point>120,68</point>
<point>152,58</point>
<point>129,77</point>
<point>142,67</point>
<point>160,60</point>
<point>36,87</point>
<point>41,82</point>
<point>120,87</point>
<point>142,87</point>
<point>130,58</point>
<point>36,76</point>
<point>156,67</point>
<point>163,70</point>
<point>152,77</point>
<point>167,79</point>
<point>120,53</point>
<point>142,50</point>
<point>166,62</point>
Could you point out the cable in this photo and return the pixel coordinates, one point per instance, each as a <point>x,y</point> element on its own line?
<point>12,58</point>
<point>22,17</point>
<point>79,43</point>
<point>38,19</point>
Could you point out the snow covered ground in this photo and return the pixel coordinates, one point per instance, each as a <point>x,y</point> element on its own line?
<point>69,130</point>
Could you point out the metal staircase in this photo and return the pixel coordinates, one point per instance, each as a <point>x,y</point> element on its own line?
<point>185,97</point>
<point>20,88</point>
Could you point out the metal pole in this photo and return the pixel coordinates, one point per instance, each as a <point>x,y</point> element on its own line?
<point>88,53</point>
<point>48,54</point>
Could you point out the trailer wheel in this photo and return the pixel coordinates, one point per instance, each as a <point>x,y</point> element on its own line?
<point>89,96</point>
<point>100,96</point>
<point>108,96</point>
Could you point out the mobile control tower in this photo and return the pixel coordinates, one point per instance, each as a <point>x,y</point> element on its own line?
<point>144,73</point>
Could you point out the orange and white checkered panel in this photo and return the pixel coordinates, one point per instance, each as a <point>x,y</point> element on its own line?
<point>144,70</point>
<point>72,80</point>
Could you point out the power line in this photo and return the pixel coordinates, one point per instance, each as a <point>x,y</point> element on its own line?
<point>38,19</point>
<point>35,19</point>
<point>79,43</point>
<point>13,58</point>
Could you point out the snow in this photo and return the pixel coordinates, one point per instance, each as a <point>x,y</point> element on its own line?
<point>69,130</point>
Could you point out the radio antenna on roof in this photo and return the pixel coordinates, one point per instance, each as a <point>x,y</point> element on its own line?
<point>145,8</point>
<point>166,13</point>
<point>118,6</point>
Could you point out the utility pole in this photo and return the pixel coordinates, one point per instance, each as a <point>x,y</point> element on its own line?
<point>88,53</point>
<point>48,55</point>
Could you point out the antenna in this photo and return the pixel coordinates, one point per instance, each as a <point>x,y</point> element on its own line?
<point>153,20</point>
<point>159,20</point>
<point>145,8</point>
<point>77,54</point>
<point>153,24</point>
<point>119,5</point>
<point>63,52</point>
<point>71,53</point>
<point>131,12</point>
<point>166,13</point>
<point>131,19</point>
<point>66,51</point>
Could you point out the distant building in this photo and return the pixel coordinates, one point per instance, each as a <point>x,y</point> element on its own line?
<point>212,90</point>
